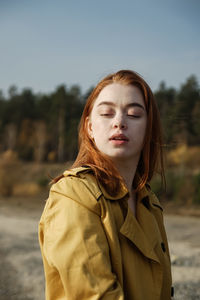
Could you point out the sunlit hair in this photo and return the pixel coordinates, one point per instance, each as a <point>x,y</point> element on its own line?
<point>151,158</point>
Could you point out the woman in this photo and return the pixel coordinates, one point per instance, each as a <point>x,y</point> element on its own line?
<point>101,233</point>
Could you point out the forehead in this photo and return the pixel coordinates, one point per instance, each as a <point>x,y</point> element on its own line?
<point>120,94</point>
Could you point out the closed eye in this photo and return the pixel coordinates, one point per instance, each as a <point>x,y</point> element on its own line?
<point>106,115</point>
<point>134,116</point>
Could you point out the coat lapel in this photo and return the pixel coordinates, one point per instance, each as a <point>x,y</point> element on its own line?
<point>143,231</point>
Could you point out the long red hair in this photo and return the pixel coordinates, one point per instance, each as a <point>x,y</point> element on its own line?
<point>151,158</point>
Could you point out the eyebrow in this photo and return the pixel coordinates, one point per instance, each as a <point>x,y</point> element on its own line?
<point>132,104</point>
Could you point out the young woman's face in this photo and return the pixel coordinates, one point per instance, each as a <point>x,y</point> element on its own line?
<point>118,120</point>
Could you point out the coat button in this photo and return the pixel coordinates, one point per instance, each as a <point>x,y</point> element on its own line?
<point>163,247</point>
<point>172,291</point>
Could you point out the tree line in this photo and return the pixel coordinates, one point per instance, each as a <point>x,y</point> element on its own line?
<point>43,127</point>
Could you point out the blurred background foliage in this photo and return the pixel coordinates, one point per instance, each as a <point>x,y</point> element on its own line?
<point>38,133</point>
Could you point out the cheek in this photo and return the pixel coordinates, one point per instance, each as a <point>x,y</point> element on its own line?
<point>144,128</point>
<point>140,131</point>
<point>99,132</point>
<point>99,127</point>
<point>143,133</point>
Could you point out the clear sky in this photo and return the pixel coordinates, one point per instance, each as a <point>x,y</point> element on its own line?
<point>45,43</point>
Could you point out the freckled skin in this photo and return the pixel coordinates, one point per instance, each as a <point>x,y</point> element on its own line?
<point>119,109</point>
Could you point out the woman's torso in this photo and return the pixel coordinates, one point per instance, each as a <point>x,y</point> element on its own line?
<point>138,247</point>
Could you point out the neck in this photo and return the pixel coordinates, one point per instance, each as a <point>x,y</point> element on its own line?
<point>127,170</point>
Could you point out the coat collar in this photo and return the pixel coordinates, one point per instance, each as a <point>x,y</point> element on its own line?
<point>144,194</point>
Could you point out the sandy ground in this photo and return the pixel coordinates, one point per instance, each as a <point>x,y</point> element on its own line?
<point>21,272</point>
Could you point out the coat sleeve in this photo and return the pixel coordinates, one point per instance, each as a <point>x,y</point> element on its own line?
<point>75,252</point>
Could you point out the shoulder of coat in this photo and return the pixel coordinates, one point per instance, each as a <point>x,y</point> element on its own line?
<point>76,171</point>
<point>79,185</point>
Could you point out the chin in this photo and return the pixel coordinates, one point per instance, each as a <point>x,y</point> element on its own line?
<point>119,156</point>
<point>124,156</point>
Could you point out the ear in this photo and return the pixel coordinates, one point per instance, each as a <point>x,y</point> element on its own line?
<point>89,127</point>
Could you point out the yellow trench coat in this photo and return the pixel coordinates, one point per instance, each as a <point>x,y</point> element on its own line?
<point>94,248</point>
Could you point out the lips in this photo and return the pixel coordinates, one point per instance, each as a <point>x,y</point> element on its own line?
<point>118,137</point>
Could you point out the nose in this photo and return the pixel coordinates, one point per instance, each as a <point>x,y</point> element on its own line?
<point>120,126</point>
<point>120,123</point>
